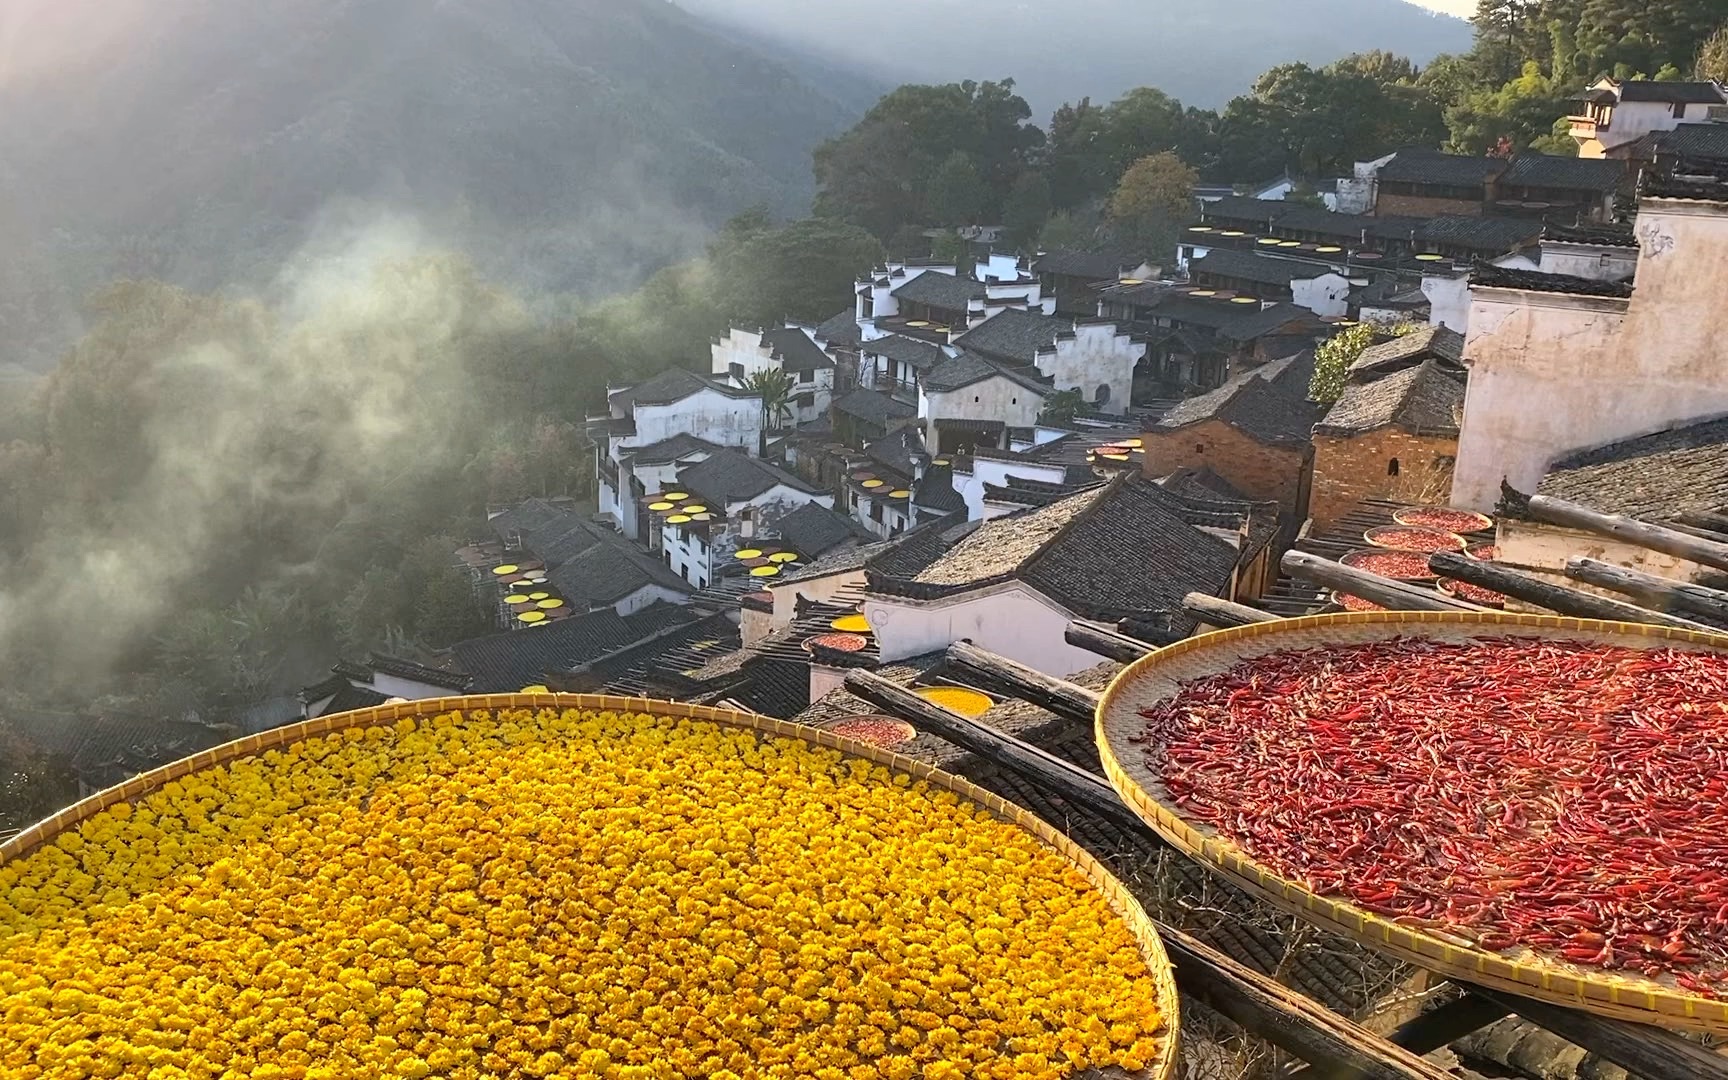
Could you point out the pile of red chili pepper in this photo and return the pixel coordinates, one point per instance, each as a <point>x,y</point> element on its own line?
<point>1442,518</point>
<point>1402,565</point>
<point>1563,796</point>
<point>1414,539</point>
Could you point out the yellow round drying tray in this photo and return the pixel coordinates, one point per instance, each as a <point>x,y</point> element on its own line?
<point>1117,896</point>
<point>1160,674</point>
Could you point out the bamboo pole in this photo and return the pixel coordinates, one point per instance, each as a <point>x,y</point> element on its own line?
<point>1002,676</point>
<point>1223,613</point>
<point>1641,533</point>
<point>1649,590</point>
<point>1534,590</point>
<point>1105,642</point>
<point>1372,587</point>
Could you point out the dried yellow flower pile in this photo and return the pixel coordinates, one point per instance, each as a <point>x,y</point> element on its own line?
<point>559,895</point>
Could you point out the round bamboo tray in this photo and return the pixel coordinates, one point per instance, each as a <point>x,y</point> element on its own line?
<point>1119,898</point>
<point>1478,522</point>
<point>1159,675</point>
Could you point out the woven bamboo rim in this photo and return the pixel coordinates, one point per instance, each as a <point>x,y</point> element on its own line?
<point>1483,521</point>
<point>1118,896</point>
<point>1157,675</point>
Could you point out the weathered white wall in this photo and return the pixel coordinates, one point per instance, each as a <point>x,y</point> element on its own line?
<point>1010,619</point>
<point>992,471</point>
<point>1553,374</point>
<point>1546,376</point>
<point>1328,294</point>
<point>824,680</point>
<point>396,686</point>
<point>1097,355</point>
<point>691,558</point>
<point>741,347</point>
<point>706,414</point>
<point>1448,301</point>
<point>754,625</point>
<point>646,596</point>
<point>1596,262</point>
<point>995,398</point>
<point>820,589</point>
<point>819,384</point>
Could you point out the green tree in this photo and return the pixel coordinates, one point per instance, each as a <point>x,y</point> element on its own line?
<point>1332,360</point>
<point>1026,209</point>
<point>775,387</point>
<point>956,193</point>
<point>1061,407</point>
<point>1067,231</point>
<point>805,271</point>
<point>1153,199</point>
<point>1712,59</point>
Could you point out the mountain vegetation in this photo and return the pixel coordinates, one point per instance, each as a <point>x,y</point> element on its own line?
<point>566,145</point>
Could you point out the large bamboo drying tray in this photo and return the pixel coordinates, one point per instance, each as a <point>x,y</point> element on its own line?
<point>1119,898</point>
<point>1157,676</point>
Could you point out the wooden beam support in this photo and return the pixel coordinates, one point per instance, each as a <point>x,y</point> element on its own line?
<point>1702,519</point>
<point>1108,643</point>
<point>1430,1031</point>
<point>1215,612</point>
<point>1534,590</point>
<point>1383,591</point>
<point>1641,533</point>
<point>1650,590</point>
<point>1087,792</point>
<point>1287,1019</point>
<point>1646,1052</point>
<point>1006,678</point>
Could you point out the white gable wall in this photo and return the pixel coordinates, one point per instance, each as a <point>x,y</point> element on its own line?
<point>1012,619</point>
<point>1098,354</point>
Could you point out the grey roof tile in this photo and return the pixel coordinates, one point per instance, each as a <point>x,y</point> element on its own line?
<point>795,350</point>
<point>504,663</point>
<point>673,384</point>
<point>1530,169</point>
<point>919,355</point>
<point>1688,93</point>
<point>730,475</point>
<point>609,571</point>
<point>1097,265</point>
<point>813,530</point>
<point>936,490</point>
<point>1427,398</point>
<point>1698,141</point>
<point>666,451</point>
<point>1432,167</point>
<point>945,291</point>
<point>1014,336</point>
<point>1269,404</point>
<point>874,406</point>
<point>1248,266</point>
<point>1657,477</point>
<point>1412,348</point>
<point>840,331</point>
<point>969,367</point>
<point>1498,277</point>
<point>528,516</point>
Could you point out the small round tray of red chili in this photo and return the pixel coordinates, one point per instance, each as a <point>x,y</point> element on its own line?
<point>1525,802</point>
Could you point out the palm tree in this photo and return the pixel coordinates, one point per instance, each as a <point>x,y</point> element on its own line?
<point>775,386</point>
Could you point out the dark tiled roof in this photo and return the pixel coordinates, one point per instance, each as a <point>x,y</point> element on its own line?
<point>1686,93</point>
<point>896,450</point>
<point>841,330</point>
<point>408,669</point>
<point>1255,324</point>
<point>505,663</point>
<point>906,557</point>
<point>874,406</point>
<point>1499,277</point>
<point>1600,235</point>
<point>970,367</point>
<point>1097,265</point>
<point>1269,404</point>
<point>1497,235</point>
<point>352,697</point>
<point>318,691</point>
<point>666,451</point>
<point>1238,208</point>
<point>795,350</point>
<point>945,291</point>
<point>562,541</point>
<point>609,571</point>
<point>1412,348</point>
<point>1248,266</point>
<point>1201,483</point>
<point>1686,185</point>
<point>1701,141</point>
<point>936,490</point>
<point>112,749</point>
<point>837,561</point>
<point>1014,336</point>
<point>997,548</point>
<point>1426,399</point>
<point>527,516</point>
<point>1531,169</point>
<point>673,384</point>
<point>919,355</point>
<point>1658,477</point>
<point>814,529</point>
<point>1133,550</point>
<point>733,476</point>
<point>1433,167</point>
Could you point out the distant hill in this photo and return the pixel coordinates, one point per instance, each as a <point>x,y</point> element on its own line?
<point>1201,51</point>
<point>569,144</point>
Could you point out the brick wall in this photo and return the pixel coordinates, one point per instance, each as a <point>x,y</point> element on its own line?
<point>1388,205</point>
<point>1350,468</point>
<point>1259,471</point>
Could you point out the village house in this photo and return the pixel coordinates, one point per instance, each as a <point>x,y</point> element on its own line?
<point>893,363</point>
<point>1596,252</point>
<point>1011,585</point>
<point>1073,277</point>
<point>1559,364</point>
<point>1094,357</point>
<point>1195,342</point>
<point>971,399</point>
<point>1393,432</point>
<point>676,412</point>
<point>791,351</point>
<point>1252,432</point>
<point>1668,478</point>
<point>1322,289</point>
<point>863,416</point>
<point>586,562</point>
<point>1612,115</point>
<point>1041,465</point>
<point>732,498</point>
<point>896,299</point>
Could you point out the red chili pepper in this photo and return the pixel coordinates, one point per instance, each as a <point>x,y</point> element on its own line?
<point>1561,796</point>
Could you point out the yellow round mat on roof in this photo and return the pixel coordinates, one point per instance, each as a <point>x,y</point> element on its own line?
<point>678,519</point>
<point>875,483</point>
<point>764,571</point>
<point>1232,232</point>
<point>748,553</point>
<point>536,689</point>
<point>1204,292</point>
<point>1268,240</point>
<point>1135,443</point>
<point>1329,249</point>
<point>507,568</point>
<point>531,617</point>
<point>918,323</point>
<point>517,598</point>
<point>783,557</point>
<point>1428,256</point>
<point>899,493</point>
<point>968,703</point>
<point>694,508</point>
<point>660,507</point>
<point>1289,243</point>
<point>676,496</point>
<point>552,604</point>
<point>851,624</point>
<point>942,461</point>
<point>538,595</point>
<point>1243,300</point>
